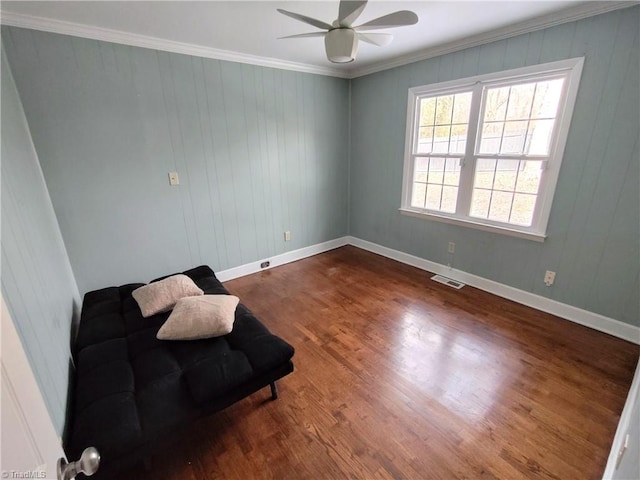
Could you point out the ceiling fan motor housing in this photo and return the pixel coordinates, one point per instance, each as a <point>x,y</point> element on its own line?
<point>341,45</point>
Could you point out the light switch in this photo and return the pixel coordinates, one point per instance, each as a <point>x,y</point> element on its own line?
<point>173,178</point>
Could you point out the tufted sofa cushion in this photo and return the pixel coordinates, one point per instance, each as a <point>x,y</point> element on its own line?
<point>132,389</point>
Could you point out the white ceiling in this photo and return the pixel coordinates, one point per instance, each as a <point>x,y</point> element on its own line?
<point>248,31</point>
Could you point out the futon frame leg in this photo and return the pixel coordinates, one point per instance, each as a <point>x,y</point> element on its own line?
<point>274,391</point>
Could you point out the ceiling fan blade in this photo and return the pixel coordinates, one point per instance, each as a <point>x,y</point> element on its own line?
<point>395,19</point>
<point>350,11</point>
<point>305,19</point>
<point>305,35</point>
<point>379,39</point>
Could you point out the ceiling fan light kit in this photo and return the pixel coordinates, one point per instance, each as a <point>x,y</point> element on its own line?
<point>341,39</point>
<point>341,45</point>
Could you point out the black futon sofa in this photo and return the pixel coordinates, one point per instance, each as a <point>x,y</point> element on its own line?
<point>133,392</point>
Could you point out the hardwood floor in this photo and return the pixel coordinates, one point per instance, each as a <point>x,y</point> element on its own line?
<point>398,376</point>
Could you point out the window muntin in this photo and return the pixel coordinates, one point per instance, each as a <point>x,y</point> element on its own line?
<point>439,146</point>
<point>506,190</point>
<point>443,123</point>
<point>435,183</point>
<point>518,122</point>
<point>520,119</point>
<point>486,150</point>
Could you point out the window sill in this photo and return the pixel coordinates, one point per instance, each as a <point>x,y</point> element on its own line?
<point>536,237</point>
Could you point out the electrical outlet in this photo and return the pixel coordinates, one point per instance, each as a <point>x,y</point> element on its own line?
<point>173,179</point>
<point>452,247</point>
<point>265,264</point>
<point>287,236</point>
<point>549,278</point>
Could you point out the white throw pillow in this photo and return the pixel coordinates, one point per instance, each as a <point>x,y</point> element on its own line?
<point>161,296</point>
<point>194,318</point>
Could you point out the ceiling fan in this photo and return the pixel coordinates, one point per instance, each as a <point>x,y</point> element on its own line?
<point>341,38</point>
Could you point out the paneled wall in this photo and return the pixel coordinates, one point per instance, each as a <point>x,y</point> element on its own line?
<point>258,151</point>
<point>37,283</point>
<point>594,227</point>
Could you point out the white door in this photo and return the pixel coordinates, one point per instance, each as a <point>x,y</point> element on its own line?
<point>29,446</point>
<point>624,459</point>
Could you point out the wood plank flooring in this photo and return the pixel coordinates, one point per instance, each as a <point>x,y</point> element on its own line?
<point>398,376</point>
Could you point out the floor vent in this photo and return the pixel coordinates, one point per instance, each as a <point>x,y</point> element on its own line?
<point>448,281</point>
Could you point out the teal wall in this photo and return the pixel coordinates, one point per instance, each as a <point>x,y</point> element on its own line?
<point>593,232</point>
<point>37,283</point>
<point>258,150</point>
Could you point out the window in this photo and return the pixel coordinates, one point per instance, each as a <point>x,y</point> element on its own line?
<point>485,151</point>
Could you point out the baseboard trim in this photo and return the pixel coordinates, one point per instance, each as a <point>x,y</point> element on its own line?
<point>283,258</point>
<point>577,315</point>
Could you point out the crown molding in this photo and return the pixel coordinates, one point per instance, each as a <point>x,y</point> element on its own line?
<point>135,40</point>
<point>571,14</point>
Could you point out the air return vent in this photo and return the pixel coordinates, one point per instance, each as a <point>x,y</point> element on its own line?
<point>448,281</point>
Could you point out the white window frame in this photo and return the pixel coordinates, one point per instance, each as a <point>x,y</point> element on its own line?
<point>570,69</point>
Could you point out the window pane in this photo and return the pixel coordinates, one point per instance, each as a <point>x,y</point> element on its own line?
<point>505,190</point>
<point>458,141</point>
<point>435,183</point>
<point>520,101</point>
<point>491,137</point>
<point>500,207</point>
<point>480,203</point>
<point>485,170</point>
<point>449,199</point>
<point>522,211</point>
<point>506,172</point>
<point>495,107</point>
<point>434,192</point>
<point>539,137</point>
<point>443,123</point>
<point>529,110</point>
<point>427,111</point>
<point>529,177</point>
<point>420,169</point>
<point>425,140</point>
<point>545,104</point>
<point>452,172</point>
<point>462,107</point>
<point>436,170</point>
<point>418,194</point>
<point>444,108</point>
<point>441,141</point>
<point>513,137</point>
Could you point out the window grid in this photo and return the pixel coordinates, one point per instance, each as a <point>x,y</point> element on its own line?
<point>513,154</point>
<point>530,121</point>
<point>450,169</point>
<point>515,193</point>
<point>437,151</point>
<point>430,127</point>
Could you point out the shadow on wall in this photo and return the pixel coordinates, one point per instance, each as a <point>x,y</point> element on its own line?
<point>71,384</point>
